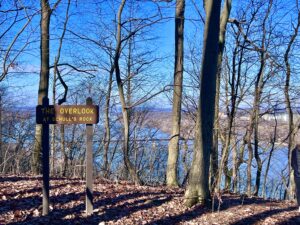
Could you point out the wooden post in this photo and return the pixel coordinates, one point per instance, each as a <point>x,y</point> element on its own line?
<point>89,165</point>
<point>45,163</point>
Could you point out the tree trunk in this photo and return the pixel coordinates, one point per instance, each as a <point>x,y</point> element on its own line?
<point>198,187</point>
<point>56,72</point>
<point>292,131</point>
<point>107,126</point>
<point>249,166</point>
<point>53,152</point>
<point>53,133</point>
<point>173,152</point>
<point>63,150</point>
<point>257,157</point>
<point>253,123</point>
<point>214,152</point>
<point>44,81</point>
<point>234,166</point>
<point>125,114</point>
<point>273,140</point>
<point>184,160</point>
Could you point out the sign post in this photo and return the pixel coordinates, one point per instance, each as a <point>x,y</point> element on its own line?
<point>45,162</point>
<point>89,165</point>
<point>67,114</point>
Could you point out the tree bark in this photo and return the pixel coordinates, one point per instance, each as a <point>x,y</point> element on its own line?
<point>198,187</point>
<point>44,80</point>
<point>173,150</point>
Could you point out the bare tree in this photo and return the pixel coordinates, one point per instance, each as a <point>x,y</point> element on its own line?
<point>272,141</point>
<point>260,81</point>
<point>291,123</point>
<point>12,28</point>
<point>172,165</point>
<point>46,12</point>
<point>214,152</point>
<point>198,186</point>
<point>125,112</point>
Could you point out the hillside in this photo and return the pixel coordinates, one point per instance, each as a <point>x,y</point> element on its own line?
<point>123,203</point>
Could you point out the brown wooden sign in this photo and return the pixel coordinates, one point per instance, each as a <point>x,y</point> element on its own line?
<point>67,114</point>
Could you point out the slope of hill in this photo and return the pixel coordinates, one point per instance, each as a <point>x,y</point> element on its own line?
<point>123,203</point>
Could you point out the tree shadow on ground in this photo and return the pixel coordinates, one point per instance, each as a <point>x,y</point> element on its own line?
<point>227,202</point>
<point>35,178</point>
<point>291,221</point>
<point>31,202</point>
<point>39,189</point>
<point>16,178</point>
<point>230,201</point>
<point>57,216</point>
<point>120,206</point>
<point>183,217</point>
<point>263,215</point>
<point>35,201</point>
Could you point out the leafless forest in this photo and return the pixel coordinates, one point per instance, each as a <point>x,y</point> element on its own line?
<point>198,109</point>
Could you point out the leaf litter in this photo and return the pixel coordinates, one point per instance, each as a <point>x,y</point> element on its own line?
<point>125,203</point>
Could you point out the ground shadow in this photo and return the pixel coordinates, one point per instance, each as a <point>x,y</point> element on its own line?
<point>35,201</point>
<point>16,179</point>
<point>39,189</point>
<point>35,178</point>
<point>291,221</point>
<point>109,214</point>
<point>233,201</point>
<point>260,216</point>
<point>183,217</point>
<point>118,206</point>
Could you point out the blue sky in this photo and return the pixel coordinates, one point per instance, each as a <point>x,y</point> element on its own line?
<point>84,19</point>
<point>82,16</point>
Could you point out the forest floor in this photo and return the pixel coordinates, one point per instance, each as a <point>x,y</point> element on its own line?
<point>123,203</point>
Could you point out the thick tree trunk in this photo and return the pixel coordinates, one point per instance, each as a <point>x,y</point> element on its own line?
<point>44,81</point>
<point>198,187</point>
<point>173,152</point>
